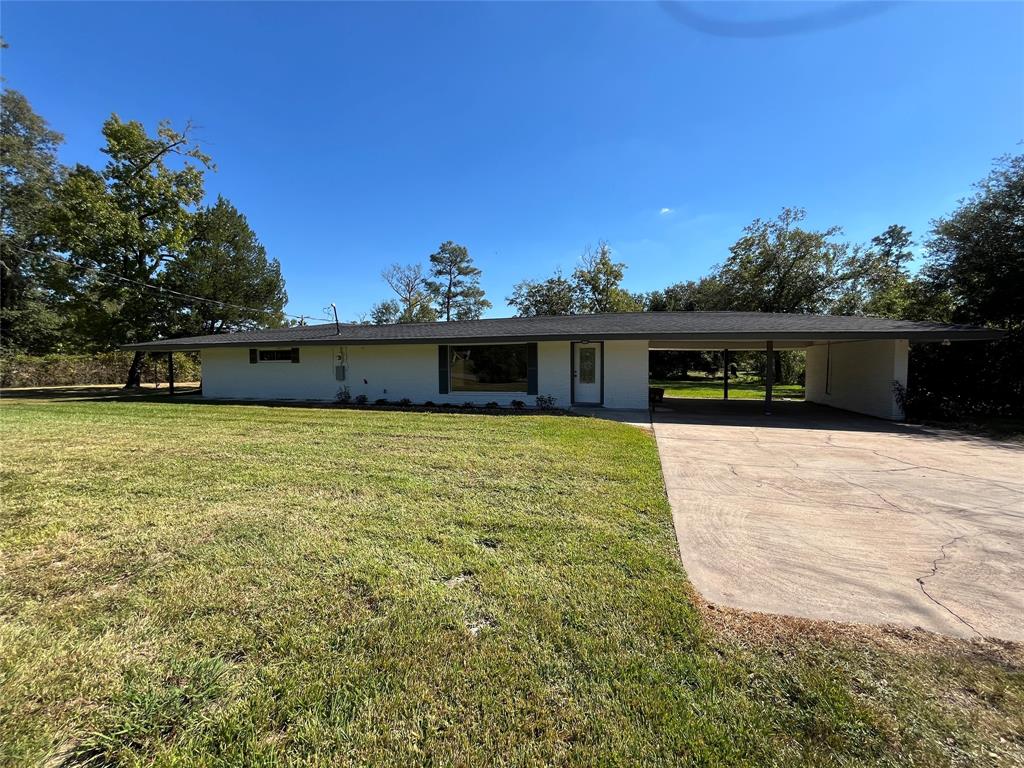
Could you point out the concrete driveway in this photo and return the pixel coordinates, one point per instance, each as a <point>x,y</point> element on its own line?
<point>816,513</point>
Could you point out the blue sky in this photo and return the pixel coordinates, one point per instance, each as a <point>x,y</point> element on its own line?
<point>357,135</point>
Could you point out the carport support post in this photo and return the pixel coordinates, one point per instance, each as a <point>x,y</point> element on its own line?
<point>725,365</point>
<point>769,375</point>
<point>170,372</point>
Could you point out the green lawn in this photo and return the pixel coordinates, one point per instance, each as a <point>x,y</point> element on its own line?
<point>212,585</point>
<point>742,389</point>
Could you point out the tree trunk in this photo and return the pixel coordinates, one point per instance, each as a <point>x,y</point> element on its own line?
<point>135,372</point>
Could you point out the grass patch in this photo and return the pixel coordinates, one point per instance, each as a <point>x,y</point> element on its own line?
<point>739,389</point>
<point>189,584</point>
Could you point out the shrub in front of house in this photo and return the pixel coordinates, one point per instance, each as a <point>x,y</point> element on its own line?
<point>492,405</point>
<point>405,402</point>
<point>361,400</point>
<point>546,402</point>
<point>381,401</point>
<point>344,396</point>
<point>429,404</point>
<point>518,404</point>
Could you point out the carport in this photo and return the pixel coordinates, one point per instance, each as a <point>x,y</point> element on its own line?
<point>857,364</point>
<point>863,376</point>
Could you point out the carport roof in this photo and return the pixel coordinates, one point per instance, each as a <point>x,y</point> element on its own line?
<point>677,326</point>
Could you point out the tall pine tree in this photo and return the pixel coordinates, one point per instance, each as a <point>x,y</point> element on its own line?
<point>456,283</point>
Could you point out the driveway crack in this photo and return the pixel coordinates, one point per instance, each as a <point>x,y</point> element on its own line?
<point>934,571</point>
<point>872,491</point>
<point>912,465</point>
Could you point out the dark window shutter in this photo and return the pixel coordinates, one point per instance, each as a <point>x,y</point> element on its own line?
<point>295,354</point>
<point>254,356</point>
<point>531,368</point>
<point>442,369</point>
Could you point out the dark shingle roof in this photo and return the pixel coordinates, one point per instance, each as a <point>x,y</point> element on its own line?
<point>629,325</point>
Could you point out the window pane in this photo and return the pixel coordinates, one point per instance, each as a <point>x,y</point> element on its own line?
<point>588,365</point>
<point>275,355</point>
<point>488,368</point>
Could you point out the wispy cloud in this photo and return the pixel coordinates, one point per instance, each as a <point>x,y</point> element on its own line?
<point>666,211</point>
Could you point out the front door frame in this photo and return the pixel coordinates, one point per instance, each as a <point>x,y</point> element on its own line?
<point>572,372</point>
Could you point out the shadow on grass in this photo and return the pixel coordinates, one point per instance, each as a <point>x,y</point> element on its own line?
<point>192,395</point>
<point>786,414</point>
<point>101,392</point>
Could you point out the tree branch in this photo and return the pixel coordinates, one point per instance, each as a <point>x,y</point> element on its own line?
<point>167,148</point>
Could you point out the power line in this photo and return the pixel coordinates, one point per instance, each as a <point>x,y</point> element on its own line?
<point>162,290</point>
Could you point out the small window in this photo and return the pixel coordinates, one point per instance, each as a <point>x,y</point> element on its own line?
<point>489,368</point>
<point>275,355</point>
<point>588,365</point>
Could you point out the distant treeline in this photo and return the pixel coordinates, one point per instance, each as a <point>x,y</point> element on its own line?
<point>61,370</point>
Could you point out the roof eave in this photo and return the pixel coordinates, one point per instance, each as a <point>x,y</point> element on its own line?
<point>938,335</point>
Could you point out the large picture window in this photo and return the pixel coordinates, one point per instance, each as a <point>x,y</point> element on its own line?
<point>489,368</point>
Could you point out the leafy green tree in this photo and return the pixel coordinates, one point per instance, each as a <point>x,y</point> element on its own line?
<point>977,253</point>
<point>121,225</point>
<point>386,312</point>
<point>456,283</point>
<point>225,262</point>
<point>888,279</point>
<point>975,274</point>
<point>704,295</point>
<point>778,266</point>
<point>595,287</point>
<point>893,248</point>
<point>856,284</point>
<point>415,299</point>
<point>31,174</point>
<point>554,296</point>
<point>598,283</point>
<point>878,278</point>
<point>678,297</point>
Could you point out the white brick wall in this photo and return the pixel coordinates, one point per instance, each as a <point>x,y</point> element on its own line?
<point>396,371</point>
<point>862,376</point>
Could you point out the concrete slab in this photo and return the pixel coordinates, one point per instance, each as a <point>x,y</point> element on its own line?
<point>633,417</point>
<point>818,513</point>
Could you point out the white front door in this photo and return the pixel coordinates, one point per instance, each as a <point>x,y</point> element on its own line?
<point>587,372</point>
